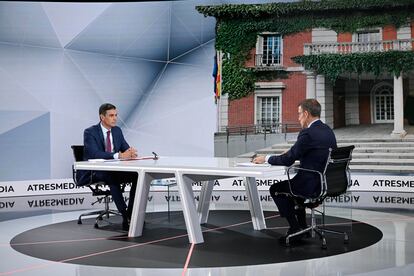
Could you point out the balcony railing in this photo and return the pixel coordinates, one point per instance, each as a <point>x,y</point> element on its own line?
<point>268,61</point>
<point>357,47</point>
<point>260,128</point>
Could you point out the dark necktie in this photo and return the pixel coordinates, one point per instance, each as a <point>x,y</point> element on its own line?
<point>108,141</point>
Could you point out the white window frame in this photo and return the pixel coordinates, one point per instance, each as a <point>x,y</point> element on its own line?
<point>370,30</point>
<point>267,93</point>
<point>373,103</point>
<point>259,46</point>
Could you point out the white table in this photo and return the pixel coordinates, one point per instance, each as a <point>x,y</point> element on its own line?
<point>187,170</point>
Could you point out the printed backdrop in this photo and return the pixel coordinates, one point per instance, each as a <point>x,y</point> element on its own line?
<point>60,61</point>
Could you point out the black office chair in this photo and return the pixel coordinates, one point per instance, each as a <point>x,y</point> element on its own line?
<point>99,189</point>
<point>335,180</point>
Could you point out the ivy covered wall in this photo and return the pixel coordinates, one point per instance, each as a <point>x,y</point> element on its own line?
<point>239,25</point>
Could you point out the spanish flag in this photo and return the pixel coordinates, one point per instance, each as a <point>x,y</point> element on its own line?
<point>217,75</point>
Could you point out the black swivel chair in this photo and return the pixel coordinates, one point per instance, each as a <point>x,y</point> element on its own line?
<point>99,189</point>
<point>335,180</point>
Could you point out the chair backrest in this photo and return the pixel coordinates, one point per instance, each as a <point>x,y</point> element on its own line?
<point>77,152</point>
<point>337,175</point>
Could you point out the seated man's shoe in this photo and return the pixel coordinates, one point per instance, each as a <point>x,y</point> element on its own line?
<point>125,223</point>
<point>291,231</point>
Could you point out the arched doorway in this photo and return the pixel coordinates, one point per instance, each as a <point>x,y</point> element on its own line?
<point>382,96</point>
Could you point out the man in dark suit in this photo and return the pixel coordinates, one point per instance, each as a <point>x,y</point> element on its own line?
<point>311,149</point>
<point>106,141</point>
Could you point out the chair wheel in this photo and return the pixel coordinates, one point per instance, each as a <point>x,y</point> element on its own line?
<point>287,243</point>
<point>79,221</point>
<point>324,246</point>
<point>346,239</point>
<point>96,226</point>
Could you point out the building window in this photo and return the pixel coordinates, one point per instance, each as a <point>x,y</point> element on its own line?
<point>368,36</point>
<point>268,111</point>
<point>269,50</point>
<point>383,101</point>
<point>369,40</point>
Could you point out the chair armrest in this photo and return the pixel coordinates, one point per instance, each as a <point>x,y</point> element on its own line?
<point>296,167</point>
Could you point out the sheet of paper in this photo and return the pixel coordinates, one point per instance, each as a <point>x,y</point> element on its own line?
<point>151,157</point>
<point>250,164</point>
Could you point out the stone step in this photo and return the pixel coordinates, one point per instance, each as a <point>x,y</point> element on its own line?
<point>356,150</point>
<point>377,145</point>
<point>355,155</point>
<point>383,162</point>
<point>391,150</point>
<point>370,155</point>
<point>382,169</point>
<point>361,145</point>
<point>368,140</point>
<point>384,155</point>
<point>376,140</point>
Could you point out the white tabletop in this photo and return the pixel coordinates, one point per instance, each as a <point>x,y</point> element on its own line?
<point>187,165</point>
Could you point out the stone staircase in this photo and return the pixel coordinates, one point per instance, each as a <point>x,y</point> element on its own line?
<point>379,155</point>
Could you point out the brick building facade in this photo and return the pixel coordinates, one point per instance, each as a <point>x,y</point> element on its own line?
<point>351,100</point>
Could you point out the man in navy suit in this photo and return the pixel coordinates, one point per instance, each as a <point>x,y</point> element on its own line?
<point>106,141</point>
<point>311,149</point>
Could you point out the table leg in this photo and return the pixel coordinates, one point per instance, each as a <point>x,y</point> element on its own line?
<point>254,204</point>
<point>140,204</point>
<point>185,189</point>
<point>204,203</point>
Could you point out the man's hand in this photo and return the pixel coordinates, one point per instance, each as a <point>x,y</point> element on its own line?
<point>259,159</point>
<point>129,153</point>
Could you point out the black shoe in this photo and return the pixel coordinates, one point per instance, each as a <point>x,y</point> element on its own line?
<point>291,231</point>
<point>125,223</point>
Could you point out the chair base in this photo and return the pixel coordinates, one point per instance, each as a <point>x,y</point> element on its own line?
<point>316,229</point>
<point>101,214</point>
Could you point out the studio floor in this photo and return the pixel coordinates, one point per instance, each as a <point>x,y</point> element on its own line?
<point>40,236</point>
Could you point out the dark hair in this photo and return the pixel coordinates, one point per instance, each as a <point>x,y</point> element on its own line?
<point>105,107</point>
<point>312,106</point>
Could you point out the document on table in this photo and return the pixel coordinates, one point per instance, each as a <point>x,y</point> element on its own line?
<point>250,164</point>
<point>127,159</point>
<point>96,160</point>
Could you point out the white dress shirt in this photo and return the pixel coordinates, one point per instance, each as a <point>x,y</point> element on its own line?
<point>104,131</point>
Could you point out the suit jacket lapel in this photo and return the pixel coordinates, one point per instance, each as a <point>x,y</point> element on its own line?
<point>100,136</point>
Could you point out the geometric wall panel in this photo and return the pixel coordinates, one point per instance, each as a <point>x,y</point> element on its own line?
<point>25,151</point>
<point>128,29</point>
<point>185,114</point>
<point>62,16</point>
<point>26,24</point>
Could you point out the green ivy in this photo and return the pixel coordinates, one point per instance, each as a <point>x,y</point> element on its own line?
<point>229,11</point>
<point>333,65</point>
<point>239,25</point>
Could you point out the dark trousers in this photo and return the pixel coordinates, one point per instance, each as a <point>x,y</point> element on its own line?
<point>284,200</point>
<point>286,203</point>
<point>114,181</point>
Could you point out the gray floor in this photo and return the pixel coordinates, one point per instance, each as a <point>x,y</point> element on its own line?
<point>393,255</point>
